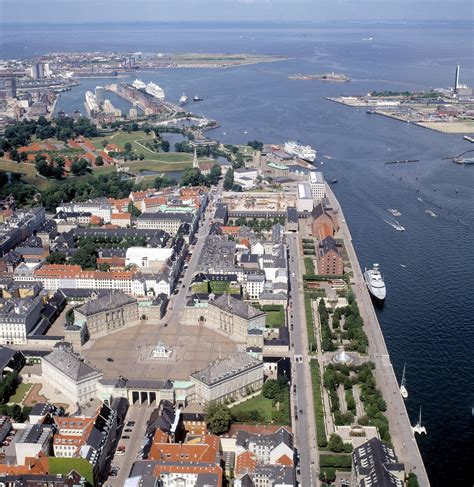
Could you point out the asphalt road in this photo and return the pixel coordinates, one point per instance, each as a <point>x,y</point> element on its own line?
<point>140,414</point>
<point>178,301</point>
<point>305,426</point>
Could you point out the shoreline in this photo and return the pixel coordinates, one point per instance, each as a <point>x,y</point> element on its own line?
<point>422,124</point>
<point>403,438</point>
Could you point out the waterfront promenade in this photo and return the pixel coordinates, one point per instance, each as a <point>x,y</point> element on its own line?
<point>403,439</point>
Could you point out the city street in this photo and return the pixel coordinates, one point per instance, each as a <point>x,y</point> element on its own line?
<point>178,301</point>
<point>140,414</point>
<point>305,426</point>
<point>400,428</point>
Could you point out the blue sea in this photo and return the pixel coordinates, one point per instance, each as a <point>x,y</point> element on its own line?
<point>428,316</point>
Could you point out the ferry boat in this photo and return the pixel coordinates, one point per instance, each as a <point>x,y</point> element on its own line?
<point>155,91</point>
<point>394,212</point>
<point>305,152</point>
<point>139,84</point>
<point>403,389</point>
<point>183,99</point>
<point>375,283</point>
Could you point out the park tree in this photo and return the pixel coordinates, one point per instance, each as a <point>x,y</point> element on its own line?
<point>255,144</point>
<point>412,480</point>
<point>229,179</point>
<point>164,182</point>
<point>335,443</point>
<point>86,257</point>
<point>327,475</point>
<point>214,175</point>
<point>219,418</point>
<point>56,258</point>
<point>271,389</point>
<point>165,146</point>
<point>192,176</point>
<point>133,210</point>
<point>80,167</point>
<point>127,147</point>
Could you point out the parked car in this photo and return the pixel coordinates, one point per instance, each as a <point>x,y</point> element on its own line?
<point>125,437</point>
<point>128,430</point>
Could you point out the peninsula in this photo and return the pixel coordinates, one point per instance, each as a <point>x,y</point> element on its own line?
<point>448,111</point>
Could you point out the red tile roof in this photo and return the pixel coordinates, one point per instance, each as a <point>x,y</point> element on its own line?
<point>245,462</point>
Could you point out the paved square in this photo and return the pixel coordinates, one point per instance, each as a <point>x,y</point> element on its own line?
<point>131,349</point>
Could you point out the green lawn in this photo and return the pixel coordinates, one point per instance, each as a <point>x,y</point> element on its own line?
<point>20,393</point>
<point>138,140</point>
<point>309,265</point>
<point>28,173</point>
<point>275,318</point>
<point>65,465</point>
<point>269,412</point>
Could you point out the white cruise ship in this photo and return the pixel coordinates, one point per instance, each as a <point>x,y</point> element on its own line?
<point>183,99</point>
<point>91,104</point>
<point>305,152</point>
<point>139,84</point>
<point>375,283</point>
<point>154,90</point>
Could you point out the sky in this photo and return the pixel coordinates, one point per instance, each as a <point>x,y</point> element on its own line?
<point>233,10</point>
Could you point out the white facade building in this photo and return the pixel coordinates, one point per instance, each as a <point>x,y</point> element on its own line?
<point>304,200</point>
<point>99,207</point>
<point>318,186</point>
<point>76,380</point>
<point>146,257</point>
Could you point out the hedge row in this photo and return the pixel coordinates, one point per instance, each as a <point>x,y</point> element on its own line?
<point>318,405</point>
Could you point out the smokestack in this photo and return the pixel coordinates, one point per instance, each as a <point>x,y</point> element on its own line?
<point>456,80</point>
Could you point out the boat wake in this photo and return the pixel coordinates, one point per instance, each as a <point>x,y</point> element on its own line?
<point>395,224</point>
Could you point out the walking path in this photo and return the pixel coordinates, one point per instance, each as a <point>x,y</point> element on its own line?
<point>400,427</point>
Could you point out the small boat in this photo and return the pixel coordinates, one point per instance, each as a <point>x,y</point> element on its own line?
<point>419,199</point>
<point>245,132</point>
<point>403,265</point>
<point>403,389</point>
<point>197,98</point>
<point>431,213</point>
<point>370,112</point>
<point>394,212</point>
<point>419,428</point>
<point>396,225</point>
<point>333,181</point>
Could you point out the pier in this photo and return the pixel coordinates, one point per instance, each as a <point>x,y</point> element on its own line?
<point>401,432</point>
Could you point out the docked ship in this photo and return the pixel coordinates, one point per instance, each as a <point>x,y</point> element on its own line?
<point>183,99</point>
<point>91,104</point>
<point>464,160</point>
<point>155,91</point>
<point>403,389</point>
<point>139,84</point>
<point>305,152</point>
<point>375,283</point>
